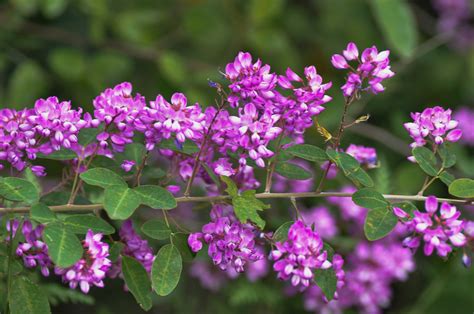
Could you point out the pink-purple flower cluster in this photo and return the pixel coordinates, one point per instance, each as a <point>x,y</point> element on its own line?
<point>48,127</point>
<point>366,156</point>
<point>433,124</point>
<point>33,251</point>
<point>135,246</point>
<point>231,244</point>
<point>373,67</point>
<point>439,230</point>
<point>92,268</point>
<point>465,116</point>
<point>300,255</point>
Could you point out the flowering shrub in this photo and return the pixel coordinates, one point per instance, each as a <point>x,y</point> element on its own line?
<point>219,151</point>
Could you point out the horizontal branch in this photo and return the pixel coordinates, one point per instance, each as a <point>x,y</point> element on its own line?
<point>390,197</point>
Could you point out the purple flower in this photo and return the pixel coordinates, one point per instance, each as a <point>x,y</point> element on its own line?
<point>438,230</point>
<point>33,251</point>
<point>91,269</point>
<point>323,220</point>
<point>366,156</point>
<point>373,68</point>
<point>433,124</point>
<point>465,116</point>
<point>223,167</point>
<point>231,243</point>
<point>298,257</point>
<point>127,165</point>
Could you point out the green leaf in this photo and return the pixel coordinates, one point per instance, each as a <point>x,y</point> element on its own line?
<point>308,152</point>
<point>29,74</point>
<point>281,234</point>
<point>426,160</point>
<point>246,207</point>
<point>180,241</point>
<point>369,198</point>
<point>212,175</point>
<point>42,214</point>
<point>135,152</point>
<point>102,177</point>
<point>137,281</point>
<point>156,229</point>
<point>447,156</point>
<point>187,148</point>
<point>54,8</point>
<point>231,187</point>
<point>115,250</point>
<point>27,297</point>
<point>64,247</point>
<point>447,178</point>
<point>120,202</point>
<point>292,171</point>
<point>89,135</point>
<point>166,270</point>
<point>80,224</point>
<point>379,223</point>
<point>62,154</point>
<point>463,188</point>
<point>155,197</point>
<point>350,167</point>
<point>398,25</point>
<point>327,281</point>
<point>18,190</point>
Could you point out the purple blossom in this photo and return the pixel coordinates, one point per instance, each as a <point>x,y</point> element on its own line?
<point>438,230</point>
<point>373,68</point>
<point>120,111</point>
<point>465,116</point>
<point>33,251</point>
<point>127,165</point>
<point>323,221</point>
<point>433,124</point>
<point>366,156</point>
<point>91,269</point>
<point>223,167</point>
<point>298,257</point>
<point>231,243</point>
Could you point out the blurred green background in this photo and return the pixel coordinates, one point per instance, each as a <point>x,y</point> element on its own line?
<point>76,49</point>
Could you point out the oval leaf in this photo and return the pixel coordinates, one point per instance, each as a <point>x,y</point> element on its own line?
<point>89,135</point>
<point>426,160</point>
<point>155,197</point>
<point>137,281</point>
<point>379,223</point>
<point>281,234</point>
<point>180,241</point>
<point>398,25</point>
<point>326,280</point>
<point>120,202</point>
<point>42,214</point>
<point>19,190</point>
<point>102,177</point>
<point>27,298</point>
<point>308,152</point>
<point>166,270</point>
<point>292,171</point>
<point>64,247</point>
<point>80,224</point>
<point>371,199</point>
<point>350,167</point>
<point>463,188</point>
<point>62,154</point>
<point>156,229</point>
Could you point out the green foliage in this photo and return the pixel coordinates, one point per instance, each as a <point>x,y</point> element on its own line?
<point>446,177</point>
<point>60,294</point>
<point>308,152</point>
<point>135,152</point>
<point>281,233</point>
<point>18,190</point>
<point>115,250</point>
<point>398,25</point>
<point>426,160</point>
<point>447,155</point>
<point>26,297</point>
<point>88,135</point>
<point>137,281</point>
<point>326,280</point>
<point>120,202</point>
<point>463,188</point>
<point>42,214</point>
<point>166,270</point>
<point>246,207</point>
<point>350,167</point>
<point>180,241</point>
<point>64,248</point>
<point>156,229</point>
<point>102,177</point>
<point>292,171</point>
<point>408,207</point>
<point>62,154</point>
<point>80,224</point>
<point>155,197</point>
